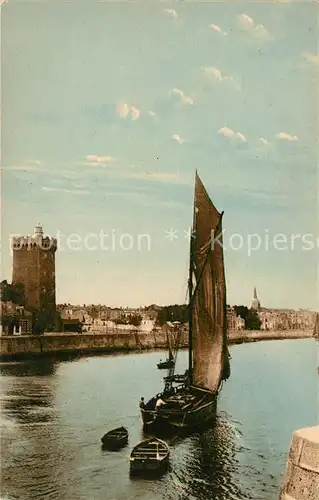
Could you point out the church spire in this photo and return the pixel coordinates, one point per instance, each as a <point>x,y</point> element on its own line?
<point>255,304</point>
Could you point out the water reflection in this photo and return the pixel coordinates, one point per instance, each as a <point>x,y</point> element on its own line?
<point>204,465</point>
<point>30,368</point>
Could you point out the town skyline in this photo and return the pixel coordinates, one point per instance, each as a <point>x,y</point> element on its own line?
<point>105,134</point>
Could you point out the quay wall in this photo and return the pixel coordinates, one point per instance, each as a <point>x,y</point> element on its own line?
<point>302,471</point>
<point>243,336</point>
<point>36,345</point>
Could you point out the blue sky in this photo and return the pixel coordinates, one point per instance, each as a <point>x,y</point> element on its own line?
<point>108,109</point>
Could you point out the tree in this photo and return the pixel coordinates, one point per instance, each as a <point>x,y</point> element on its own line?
<point>250,316</point>
<point>93,312</point>
<point>172,313</point>
<point>122,320</point>
<point>39,322</point>
<point>242,312</point>
<point>17,294</point>
<point>12,293</point>
<point>253,321</point>
<point>135,320</point>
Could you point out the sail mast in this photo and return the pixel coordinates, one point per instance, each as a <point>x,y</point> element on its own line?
<point>190,293</point>
<point>190,316</point>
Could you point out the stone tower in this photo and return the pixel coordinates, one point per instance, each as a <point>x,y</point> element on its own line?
<point>255,304</point>
<point>34,267</point>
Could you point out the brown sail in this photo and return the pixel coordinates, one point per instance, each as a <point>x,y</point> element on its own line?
<point>208,305</point>
<point>316,328</point>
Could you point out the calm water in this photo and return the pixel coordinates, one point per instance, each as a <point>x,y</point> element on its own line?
<point>54,414</point>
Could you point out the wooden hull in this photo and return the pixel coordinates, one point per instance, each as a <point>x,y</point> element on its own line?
<point>193,417</point>
<point>114,444</point>
<point>116,439</point>
<point>150,457</point>
<point>148,467</point>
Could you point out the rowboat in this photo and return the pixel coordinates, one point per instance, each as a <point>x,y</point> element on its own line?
<point>150,456</point>
<point>115,439</point>
<point>168,363</point>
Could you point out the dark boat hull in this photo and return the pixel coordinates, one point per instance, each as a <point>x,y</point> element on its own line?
<point>190,419</point>
<point>114,444</point>
<point>116,439</point>
<point>148,468</point>
<point>165,365</point>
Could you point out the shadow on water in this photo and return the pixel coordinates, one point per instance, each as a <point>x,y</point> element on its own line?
<point>29,368</point>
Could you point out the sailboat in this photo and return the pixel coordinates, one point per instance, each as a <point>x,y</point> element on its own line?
<point>193,401</point>
<point>169,362</point>
<point>316,328</point>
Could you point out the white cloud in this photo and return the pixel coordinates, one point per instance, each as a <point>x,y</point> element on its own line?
<point>24,168</point>
<point>152,114</point>
<point>35,162</point>
<point>217,28</point>
<point>135,113</point>
<point>60,190</point>
<point>97,161</point>
<point>183,97</point>
<point>240,137</point>
<point>216,74</point>
<point>156,176</point>
<point>312,59</point>
<point>287,137</point>
<point>256,30</point>
<point>245,20</point>
<point>178,138</point>
<point>228,132</point>
<point>124,110</point>
<point>171,12</point>
<point>263,141</point>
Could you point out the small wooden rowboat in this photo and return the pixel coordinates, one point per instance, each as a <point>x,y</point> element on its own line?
<point>115,439</point>
<point>169,363</point>
<point>150,456</point>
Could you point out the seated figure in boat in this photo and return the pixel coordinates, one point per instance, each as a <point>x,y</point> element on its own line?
<point>142,404</point>
<point>159,403</point>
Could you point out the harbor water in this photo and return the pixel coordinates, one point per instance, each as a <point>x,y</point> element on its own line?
<point>54,413</point>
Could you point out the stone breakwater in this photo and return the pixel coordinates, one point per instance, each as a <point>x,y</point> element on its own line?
<point>24,346</point>
<point>302,470</point>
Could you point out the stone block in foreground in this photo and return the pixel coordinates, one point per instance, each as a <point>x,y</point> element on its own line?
<point>302,472</point>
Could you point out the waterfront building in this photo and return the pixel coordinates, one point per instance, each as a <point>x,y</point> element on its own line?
<point>286,319</point>
<point>234,322</point>
<point>14,319</point>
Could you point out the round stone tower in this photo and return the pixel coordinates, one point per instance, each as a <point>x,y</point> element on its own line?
<point>34,267</point>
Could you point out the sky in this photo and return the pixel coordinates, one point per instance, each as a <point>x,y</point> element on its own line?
<point>108,108</point>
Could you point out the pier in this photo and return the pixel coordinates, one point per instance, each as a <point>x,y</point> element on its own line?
<point>302,471</point>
